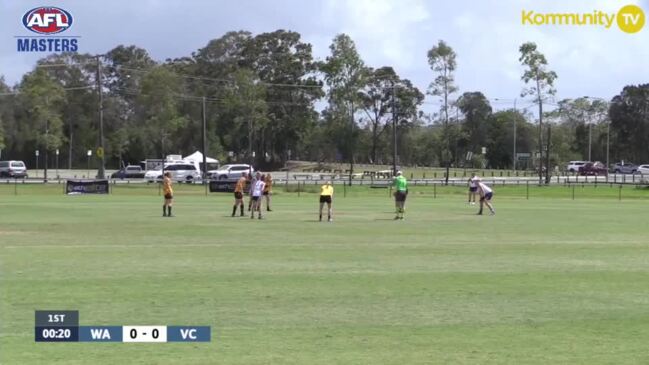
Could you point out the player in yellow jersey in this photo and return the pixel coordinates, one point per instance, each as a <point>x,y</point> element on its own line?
<point>326,196</point>
<point>238,194</point>
<point>168,194</point>
<point>268,190</point>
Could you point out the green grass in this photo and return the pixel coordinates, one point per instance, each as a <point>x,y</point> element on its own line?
<point>547,280</point>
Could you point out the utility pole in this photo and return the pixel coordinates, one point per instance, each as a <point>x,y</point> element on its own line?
<point>514,120</point>
<point>351,146</point>
<point>590,139</point>
<point>102,165</point>
<point>608,139</point>
<point>547,157</point>
<point>540,101</point>
<point>394,131</point>
<point>204,136</point>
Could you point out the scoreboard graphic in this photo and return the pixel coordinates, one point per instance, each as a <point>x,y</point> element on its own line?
<point>63,326</point>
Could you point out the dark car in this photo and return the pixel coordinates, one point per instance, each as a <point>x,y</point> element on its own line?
<point>625,168</point>
<point>130,172</point>
<point>593,169</point>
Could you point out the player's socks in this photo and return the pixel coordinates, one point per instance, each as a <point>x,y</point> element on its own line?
<point>164,210</point>
<point>169,211</point>
<point>234,210</point>
<point>320,217</point>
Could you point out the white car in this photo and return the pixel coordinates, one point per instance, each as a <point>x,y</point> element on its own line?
<point>643,169</point>
<point>230,172</point>
<point>575,166</point>
<point>13,169</point>
<point>180,172</point>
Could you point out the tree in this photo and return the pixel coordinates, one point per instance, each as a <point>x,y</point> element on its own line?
<point>542,86</point>
<point>629,113</point>
<point>42,97</point>
<point>79,112</point>
<point>386,96</point>
<point>584,120</point>
<point>285,64</point>
<point>245,102</point>
<point>345,74</point>
<point>441,59</point>
<point>158,108</point>
<point>476,110</point>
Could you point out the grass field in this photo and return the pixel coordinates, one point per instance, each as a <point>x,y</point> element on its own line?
<point>547,280</point>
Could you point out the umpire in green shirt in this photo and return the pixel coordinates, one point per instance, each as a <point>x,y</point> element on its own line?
<point>400,194</point>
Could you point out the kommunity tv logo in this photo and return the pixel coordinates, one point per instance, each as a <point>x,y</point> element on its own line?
<point>629,19</point>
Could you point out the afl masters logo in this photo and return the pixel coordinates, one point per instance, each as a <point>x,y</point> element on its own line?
<point>47,22</point>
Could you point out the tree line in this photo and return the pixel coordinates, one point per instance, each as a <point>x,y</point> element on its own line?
<point>265,99</point>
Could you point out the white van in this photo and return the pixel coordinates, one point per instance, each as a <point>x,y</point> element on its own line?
<point>13,169</point>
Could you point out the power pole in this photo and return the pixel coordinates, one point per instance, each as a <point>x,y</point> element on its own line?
<point>514,119</point>
<point>102,165</point>
<point>203,175</point>
<point>351,145</point>
<point>547,157</point>
<point>540,132</point>
<point>590,138</point>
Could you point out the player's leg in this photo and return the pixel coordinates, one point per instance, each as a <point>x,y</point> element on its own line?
<point>322,203</point>
<point>236,202</point>
<point>164,207</point>
<point>169,205</point>
<point>490,205</point>
<point>268,202</point>
<point>481,205</point>
<point>329,210</point>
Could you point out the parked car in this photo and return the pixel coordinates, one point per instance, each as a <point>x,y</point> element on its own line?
<point>593,169</point>
<point>129,172</point>
<point>643,169</point>
<point>575,166</point>
<point>624,168</point>
<point>230,172</point>
<point>13,169</point>
<point>180,172</point>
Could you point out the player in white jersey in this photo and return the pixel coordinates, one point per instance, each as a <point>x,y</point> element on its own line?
<point>486,194</point>
<point>473,188</point>
<point>256,192</point>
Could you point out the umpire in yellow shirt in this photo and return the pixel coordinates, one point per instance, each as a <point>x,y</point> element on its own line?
<point>326,196</point>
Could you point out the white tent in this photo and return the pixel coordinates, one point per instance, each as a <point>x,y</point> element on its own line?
<point>198,157</point>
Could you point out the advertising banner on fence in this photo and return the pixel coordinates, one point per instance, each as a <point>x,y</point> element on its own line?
<point>86,187</point>
<point>224,186</point>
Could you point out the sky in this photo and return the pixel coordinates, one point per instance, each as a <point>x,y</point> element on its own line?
<point>485,34</point>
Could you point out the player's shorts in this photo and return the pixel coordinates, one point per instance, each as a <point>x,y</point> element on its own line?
<point>473,189</point>
<point>169,196</point>
<point>487,197</point>
<point>325,199</point>
<point>255,198</point>
<point>266,192</point>
<point>238,195</point>
<point>400,196</point>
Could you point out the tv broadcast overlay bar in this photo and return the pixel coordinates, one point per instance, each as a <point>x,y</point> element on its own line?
<point>63,326</point>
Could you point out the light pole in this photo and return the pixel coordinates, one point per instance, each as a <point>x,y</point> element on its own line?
<point>89,153</point>
<point>36,153</point>
<point>57,163</point>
